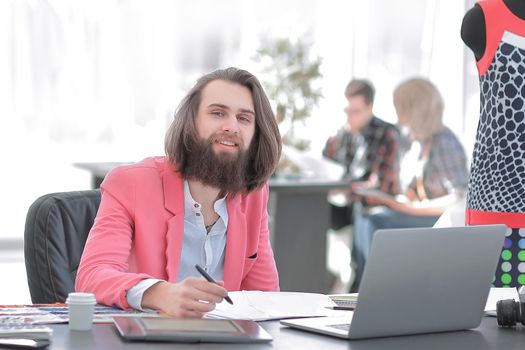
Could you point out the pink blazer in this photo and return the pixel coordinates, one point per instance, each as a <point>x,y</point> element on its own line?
<point>138,234</point>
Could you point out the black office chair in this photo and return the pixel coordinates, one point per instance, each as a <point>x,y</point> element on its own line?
<point>57,226</point>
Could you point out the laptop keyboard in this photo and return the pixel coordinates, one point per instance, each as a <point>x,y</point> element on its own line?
<point>343,327</point>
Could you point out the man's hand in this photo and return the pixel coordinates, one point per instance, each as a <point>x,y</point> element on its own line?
<point>192,297</point>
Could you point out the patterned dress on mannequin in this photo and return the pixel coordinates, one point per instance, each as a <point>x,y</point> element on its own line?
<point>496,193</point>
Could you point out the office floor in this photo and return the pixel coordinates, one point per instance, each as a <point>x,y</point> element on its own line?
<point>13,275</point>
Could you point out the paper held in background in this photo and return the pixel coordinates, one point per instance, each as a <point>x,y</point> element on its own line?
<point>374,192</point>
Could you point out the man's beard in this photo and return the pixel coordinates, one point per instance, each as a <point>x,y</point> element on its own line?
<point>220,170</point>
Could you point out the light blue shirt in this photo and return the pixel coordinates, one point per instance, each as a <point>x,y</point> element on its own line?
<point>198,246</point>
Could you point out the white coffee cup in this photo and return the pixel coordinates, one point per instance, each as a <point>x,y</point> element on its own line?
<point>81,307</point>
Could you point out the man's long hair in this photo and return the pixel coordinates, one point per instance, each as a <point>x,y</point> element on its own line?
<point>265,148</point>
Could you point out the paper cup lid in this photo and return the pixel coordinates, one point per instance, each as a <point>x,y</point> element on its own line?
<point>81,298</point>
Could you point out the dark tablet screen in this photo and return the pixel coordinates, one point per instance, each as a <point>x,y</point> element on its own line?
<point>188,325</point>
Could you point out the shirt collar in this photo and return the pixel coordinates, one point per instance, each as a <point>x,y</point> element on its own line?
<point>191,206</point>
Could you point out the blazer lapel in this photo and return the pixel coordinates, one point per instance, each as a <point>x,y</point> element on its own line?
<point>235,244</point>
<point>173,186</point>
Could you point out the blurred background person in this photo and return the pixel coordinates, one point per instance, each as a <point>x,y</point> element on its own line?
<point>433,173</point>
<point>368,149</point>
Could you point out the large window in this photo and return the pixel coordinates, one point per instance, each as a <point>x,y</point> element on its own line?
<point>99,80</point>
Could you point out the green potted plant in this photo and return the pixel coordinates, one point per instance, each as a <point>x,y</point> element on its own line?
<point>290,74</point>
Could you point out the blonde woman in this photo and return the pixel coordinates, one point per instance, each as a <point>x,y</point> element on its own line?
<point>433,172</point>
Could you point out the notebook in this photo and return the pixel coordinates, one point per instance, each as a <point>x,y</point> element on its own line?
<point>420,280</point>
<point>187,330</point>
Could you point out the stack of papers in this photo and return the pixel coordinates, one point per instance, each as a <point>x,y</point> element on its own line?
<point>345,300</point>
<point>58,313</point>
<point>262,306</point>
<point>24,331</point>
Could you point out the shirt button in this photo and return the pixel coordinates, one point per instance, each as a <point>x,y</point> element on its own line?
<point>196,205</point>
<point>198,214</point>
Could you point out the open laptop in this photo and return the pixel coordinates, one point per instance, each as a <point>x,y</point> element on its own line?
<point>419,280</point>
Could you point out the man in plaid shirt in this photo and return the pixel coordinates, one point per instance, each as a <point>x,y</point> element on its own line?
<point>368,148</point>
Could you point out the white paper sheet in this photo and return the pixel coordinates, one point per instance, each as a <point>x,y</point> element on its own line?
<point>262,306</point>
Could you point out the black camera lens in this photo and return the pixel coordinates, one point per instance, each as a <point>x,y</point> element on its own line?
<point>508,312</point>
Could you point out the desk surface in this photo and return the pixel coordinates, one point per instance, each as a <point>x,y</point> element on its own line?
<point>487,336</point>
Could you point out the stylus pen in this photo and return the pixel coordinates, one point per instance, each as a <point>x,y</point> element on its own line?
<point>209,279</point>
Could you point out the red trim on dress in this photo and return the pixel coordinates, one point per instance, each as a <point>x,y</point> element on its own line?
<point>498,19</point>
<point>478,217</point>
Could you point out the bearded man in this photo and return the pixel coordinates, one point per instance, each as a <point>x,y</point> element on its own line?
<point>204,203</point>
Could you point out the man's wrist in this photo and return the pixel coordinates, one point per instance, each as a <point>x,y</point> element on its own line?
<point>150,297</point>
<point>135,294</point>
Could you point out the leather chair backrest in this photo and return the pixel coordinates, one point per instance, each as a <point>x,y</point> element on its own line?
<point>56,229</point>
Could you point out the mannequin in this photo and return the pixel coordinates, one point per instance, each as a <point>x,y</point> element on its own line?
<point>473,26</point>
<point>473,31</point>
<point>495,32</point>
